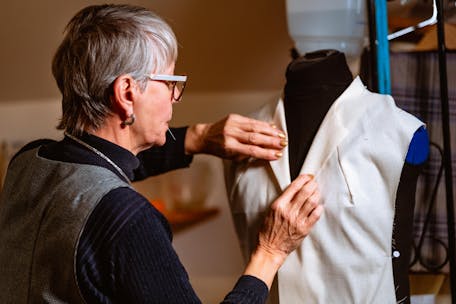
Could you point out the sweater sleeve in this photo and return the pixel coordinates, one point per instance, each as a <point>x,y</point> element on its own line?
<point>170,156</point>
<point>248,290</point>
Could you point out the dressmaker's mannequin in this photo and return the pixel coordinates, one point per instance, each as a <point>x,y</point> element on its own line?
<point>314,82</point>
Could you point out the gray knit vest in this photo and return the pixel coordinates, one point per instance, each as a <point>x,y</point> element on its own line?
<point>43,209</point>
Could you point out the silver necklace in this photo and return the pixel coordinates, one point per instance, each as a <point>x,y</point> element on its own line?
<point>83,143</point>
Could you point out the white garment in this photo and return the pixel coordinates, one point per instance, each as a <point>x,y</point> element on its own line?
<point>357,158</point>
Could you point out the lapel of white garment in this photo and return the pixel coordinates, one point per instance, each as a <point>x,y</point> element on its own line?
<point>343,114</point>
<point>281,166</point>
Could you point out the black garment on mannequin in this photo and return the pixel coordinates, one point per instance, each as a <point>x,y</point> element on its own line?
<point>314,82</point>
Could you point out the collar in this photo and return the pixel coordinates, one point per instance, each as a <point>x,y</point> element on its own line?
<point>343,114</point>
<point>123,158</point>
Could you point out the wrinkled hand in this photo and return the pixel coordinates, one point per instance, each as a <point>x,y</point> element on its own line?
<point>236,137</point>
<point>289,221</point>
<point>291,217</point>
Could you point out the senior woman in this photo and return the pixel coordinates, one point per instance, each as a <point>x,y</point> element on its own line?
<point>73,229</point>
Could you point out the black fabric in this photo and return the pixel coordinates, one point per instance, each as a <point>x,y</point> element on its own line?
<point>169,157</point>
<point>125,254</point>
<point>314,81</point>
<point>245,287</point>
<point>403,229</point>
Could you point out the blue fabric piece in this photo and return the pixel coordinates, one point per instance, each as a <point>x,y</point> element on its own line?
<point>418,151</point>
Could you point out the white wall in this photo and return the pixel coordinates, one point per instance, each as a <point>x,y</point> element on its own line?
<point>29,119</point>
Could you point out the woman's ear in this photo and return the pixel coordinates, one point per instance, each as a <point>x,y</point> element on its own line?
<point>124,95</point>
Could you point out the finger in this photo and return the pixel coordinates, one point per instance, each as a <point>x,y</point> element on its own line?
<point>257,126</point>
<point>247,135</point>
<point>239,150</point>
<point>303,197</point>
<point>310,204</point>
<point>314,216</point>
<point>265,141</point>
<point>293,188</point>
<point>306,191</point>
<point>257,152</point>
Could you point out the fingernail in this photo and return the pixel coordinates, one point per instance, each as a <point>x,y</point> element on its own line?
<point>281,135</point>
<point>274,126</point>
<point>284,143</point>
<point>311,176</point>
<point>278,154</point>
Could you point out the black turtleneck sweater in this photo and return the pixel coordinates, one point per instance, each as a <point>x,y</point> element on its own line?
<point>125,253</point>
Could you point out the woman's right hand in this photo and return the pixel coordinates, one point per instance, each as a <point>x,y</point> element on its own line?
<point>290,219</point>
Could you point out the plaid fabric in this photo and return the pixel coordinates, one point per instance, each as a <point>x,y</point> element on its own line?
<point>416,89</point>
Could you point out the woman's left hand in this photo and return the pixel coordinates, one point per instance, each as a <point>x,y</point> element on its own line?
<point>236,137</point>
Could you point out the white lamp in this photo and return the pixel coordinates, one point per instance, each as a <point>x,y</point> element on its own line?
<point>327,24</point>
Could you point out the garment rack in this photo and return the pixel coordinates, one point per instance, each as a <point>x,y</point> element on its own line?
<point>379,60</point>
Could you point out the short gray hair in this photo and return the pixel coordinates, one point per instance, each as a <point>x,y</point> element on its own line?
<point>101,43</point>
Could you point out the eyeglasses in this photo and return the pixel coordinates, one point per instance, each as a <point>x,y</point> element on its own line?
<point>174,82</point>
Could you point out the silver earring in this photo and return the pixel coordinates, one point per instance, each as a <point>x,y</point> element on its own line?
<point>129,121</point>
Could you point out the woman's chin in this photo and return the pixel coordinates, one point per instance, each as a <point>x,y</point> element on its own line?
<point>156,141</point>
<point>162,140</point>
